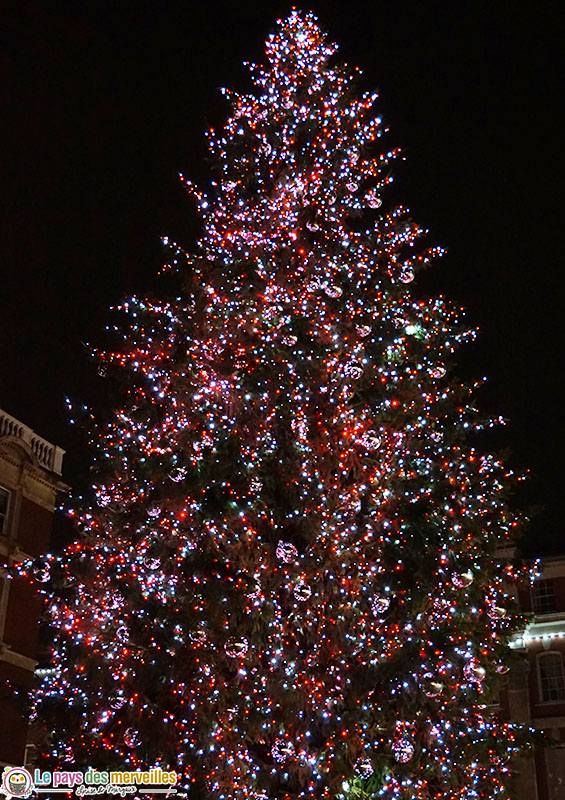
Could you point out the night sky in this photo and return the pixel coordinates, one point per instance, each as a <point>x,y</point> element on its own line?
<point>104,103</point>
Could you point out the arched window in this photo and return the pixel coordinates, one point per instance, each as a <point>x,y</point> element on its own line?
<point>551,683</point>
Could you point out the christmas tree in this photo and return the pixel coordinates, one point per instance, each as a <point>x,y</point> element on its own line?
<point>286,583</point>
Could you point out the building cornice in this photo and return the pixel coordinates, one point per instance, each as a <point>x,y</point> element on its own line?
<point>44,454</point>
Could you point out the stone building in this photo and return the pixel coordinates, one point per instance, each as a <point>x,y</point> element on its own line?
<point>30,479</point>
<point>535,693</point>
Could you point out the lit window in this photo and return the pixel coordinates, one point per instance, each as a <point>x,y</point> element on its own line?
<point>4,506</point>
<point>552,686</point>
<point>543,597</point>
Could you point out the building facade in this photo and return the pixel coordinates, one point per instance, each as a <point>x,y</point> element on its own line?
<point>535,692</point>
<point>30,480</point>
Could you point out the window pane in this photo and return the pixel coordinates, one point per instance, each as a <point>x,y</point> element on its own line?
<point>543,597</point>
<point>551,677</point>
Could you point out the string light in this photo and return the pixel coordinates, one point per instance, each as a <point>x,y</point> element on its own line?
<point>286,584</point>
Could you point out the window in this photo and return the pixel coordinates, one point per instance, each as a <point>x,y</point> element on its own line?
<point>4,508</point>
<point>543,597</point>
<point>552,686</point>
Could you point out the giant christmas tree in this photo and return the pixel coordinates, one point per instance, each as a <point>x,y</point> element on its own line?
<point>286,584</point>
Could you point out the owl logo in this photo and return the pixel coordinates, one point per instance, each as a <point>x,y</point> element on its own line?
<point>16,782</point>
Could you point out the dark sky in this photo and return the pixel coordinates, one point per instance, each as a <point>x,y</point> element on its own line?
<point>105,102</point>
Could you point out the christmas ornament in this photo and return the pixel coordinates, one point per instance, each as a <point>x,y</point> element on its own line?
<point>438,371</point>
<point>496,612</point>
<point>402,749</point>
<point>354,505</point>
<point>379,605</point>
<point>132,738</point>
<point>154,512</point>
<point>370,440</point>
<point>255,594</point>
<point>407,275</point>
<point>363,330</point>
<point>230,186</point>
<point>282,749</point>
<point>373,200</point>
<point>42,574</point>
<point>289,340</point>
<point>287,102</point>
<point>152,563</point>
<point>117,701</point>
<point>313,226</point>
<point>430,685</point>
<point>236,647</point>
<point>177,474</point>
<point>352,186</point>
<point>333,291</point>
<point>256,485</point>
<point>286,552</point>
<point>502,669</point>
<point>103,370</point>
<point>122,634</point>
<point>462,579</point>
<point>473,671</point>
<point>353,370</point>
<point>436,436</point>
<point>302,591</point>
<point>198,636</point>
<point>364,767</point>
